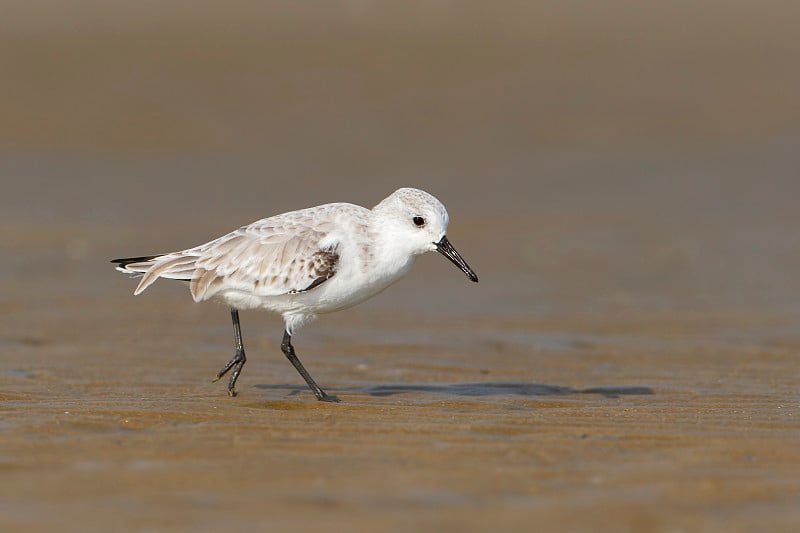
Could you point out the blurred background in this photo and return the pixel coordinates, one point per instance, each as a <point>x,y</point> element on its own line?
<point>623,177</point>
<point>642,149</point>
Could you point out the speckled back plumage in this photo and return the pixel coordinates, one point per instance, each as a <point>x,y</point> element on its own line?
<point>283,254</point>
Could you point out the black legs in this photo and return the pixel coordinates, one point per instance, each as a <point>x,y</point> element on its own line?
<point>288,351</point>
<point>238,361</point>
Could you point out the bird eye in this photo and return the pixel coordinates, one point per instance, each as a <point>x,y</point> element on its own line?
<point>419,221</point>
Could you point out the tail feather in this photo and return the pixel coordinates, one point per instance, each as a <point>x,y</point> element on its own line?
<point>125,261</point>
<point>152,267</point>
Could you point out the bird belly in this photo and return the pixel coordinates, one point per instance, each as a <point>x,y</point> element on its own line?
<point>350,288</point>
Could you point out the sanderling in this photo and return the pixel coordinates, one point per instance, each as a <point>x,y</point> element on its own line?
<point>305,263</point>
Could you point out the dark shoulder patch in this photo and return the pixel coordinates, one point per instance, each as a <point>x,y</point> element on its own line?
<point>322,267</point>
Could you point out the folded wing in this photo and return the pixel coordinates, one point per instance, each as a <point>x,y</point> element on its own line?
<point>268,258</point>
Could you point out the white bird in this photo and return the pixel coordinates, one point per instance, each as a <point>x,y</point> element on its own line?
<point>305,263</point>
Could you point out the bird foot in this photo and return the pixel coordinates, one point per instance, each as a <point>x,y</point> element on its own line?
<point>325,397</point>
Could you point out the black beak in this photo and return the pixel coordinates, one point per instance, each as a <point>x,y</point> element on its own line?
<point>446,249</point>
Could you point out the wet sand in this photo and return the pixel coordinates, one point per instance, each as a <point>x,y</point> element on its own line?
<point>628,361</point>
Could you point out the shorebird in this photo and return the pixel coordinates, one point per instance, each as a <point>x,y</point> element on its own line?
<point>305,263</point>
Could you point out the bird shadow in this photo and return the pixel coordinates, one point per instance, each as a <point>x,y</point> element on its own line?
<point>482,389</point>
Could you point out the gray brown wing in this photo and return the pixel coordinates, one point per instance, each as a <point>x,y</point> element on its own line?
<point>286,254</point>
<point>264,261</point>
